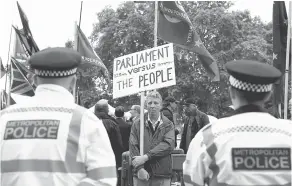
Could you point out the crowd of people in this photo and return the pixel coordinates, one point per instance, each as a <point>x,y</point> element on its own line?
<point>53,141</point>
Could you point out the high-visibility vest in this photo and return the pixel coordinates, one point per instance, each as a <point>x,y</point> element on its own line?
<point>54,146</point>
<point>245,149</point>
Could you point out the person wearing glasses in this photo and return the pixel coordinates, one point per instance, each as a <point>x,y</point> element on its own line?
<point>135,113</point>
<point>195,120</point>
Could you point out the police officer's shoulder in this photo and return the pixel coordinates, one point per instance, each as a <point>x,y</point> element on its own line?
<point>89,115</point>
<point>216,125</point>
<point>284,121</point>
<point>55,62</point>
<point>251,75</point>
<point>10,108</point>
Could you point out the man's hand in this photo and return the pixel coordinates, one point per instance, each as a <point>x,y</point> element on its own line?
<point>143,175</point>
<point>139,160</point>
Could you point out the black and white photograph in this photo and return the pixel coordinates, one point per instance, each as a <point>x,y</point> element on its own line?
<point>145,93</point>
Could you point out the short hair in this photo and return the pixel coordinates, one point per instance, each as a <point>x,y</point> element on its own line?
<point>251,97</point>
<point>119,111</point>
<point>154,94</point>
<point>165,103</point>
<point>86,104</point>
<point>137,108</point>
<point>101,106</point>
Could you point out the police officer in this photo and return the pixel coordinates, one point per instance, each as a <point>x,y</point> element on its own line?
<point>249,148</point>
<point>51,140</point>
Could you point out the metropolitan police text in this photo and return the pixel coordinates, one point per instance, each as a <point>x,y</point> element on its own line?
<point>32,129</point>
<point>261,158</point>
<point>141,58</point>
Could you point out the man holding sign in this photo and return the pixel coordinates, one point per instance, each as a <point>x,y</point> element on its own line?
<point>154,167</point>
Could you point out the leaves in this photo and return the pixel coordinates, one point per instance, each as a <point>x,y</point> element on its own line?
<point>227,35</point>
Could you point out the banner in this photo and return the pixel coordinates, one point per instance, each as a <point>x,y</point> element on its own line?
<point>2,69</point>
<point>4,100</point>
<point>21,46</point>
<point>27,32</point>
<point>90,60</point>
<point>21,79</point>
<point>146,70</point>
<point>175,26</point>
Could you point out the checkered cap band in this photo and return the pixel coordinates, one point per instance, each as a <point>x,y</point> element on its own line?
<point>54,73</point>
<point>249,86</point>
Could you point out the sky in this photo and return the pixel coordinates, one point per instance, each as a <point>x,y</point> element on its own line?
<point>52,21</point>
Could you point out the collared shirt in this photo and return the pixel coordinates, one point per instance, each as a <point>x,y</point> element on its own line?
<point>158,122</point>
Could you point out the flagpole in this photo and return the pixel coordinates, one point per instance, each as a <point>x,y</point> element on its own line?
<point>155,23</point>
<point>80,14</point>
<point>288,50</point>
<point>280,110</point>
<point>144,92</point>
<point>75,48</point>
<point>287,64</point>
<point>8,69</point>
<point>75,94</point>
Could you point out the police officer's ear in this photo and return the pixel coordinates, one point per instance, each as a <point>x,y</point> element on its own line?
<point>232,92</point>
<point>73,82</point>
<point>34,80</point>
<point>268,96</point>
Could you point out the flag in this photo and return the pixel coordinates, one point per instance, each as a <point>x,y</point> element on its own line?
<point>21,47</point>
<point>27,32</point>
<point>21,79</point>
<point>2,69</point>
<point>4,97</point>
<point>90,60</point>
<point>175,26</point>
<point>280,26</point>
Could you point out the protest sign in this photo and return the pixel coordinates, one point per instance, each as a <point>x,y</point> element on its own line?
<point>146,70</point>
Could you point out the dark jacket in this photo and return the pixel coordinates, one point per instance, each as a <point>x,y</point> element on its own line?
<point>125,130</point>
<point>114,135</point>
<point>168,113</point>
<point>199,121</point>
<point>158,146</point>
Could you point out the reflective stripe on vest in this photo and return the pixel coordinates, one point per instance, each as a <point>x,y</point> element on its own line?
<point>188,180</point>
<point>102,172</point>
<point>70,165</point>
<point>85,184</point>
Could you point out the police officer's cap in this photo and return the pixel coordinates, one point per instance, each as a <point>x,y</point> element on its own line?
<point>55,62</point>
<point>252,76</point>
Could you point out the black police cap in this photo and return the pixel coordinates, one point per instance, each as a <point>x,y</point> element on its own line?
<point>55,62</point>
<point>252,76</point>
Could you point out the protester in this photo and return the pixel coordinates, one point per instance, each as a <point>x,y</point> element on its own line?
<point>87,104</point>
<point>50,140</point>
<point>169,107</point>
<point>112,128</point>
<point>154,167</point>
<point>125,128</point>
<point>249,148</point>
<point>194,121</point>
<point>135,112</point>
